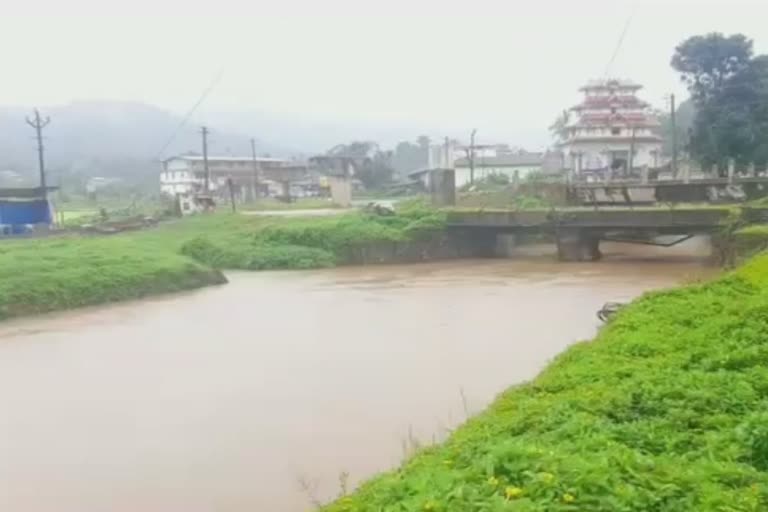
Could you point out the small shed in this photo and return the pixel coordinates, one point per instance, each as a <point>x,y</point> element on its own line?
<point>23,208</point>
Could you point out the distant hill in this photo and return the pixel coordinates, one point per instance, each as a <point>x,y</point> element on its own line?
<point>107,138</point>
<point>124,139</point>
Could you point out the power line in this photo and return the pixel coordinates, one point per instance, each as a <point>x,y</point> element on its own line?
<point>189,114</point>
<point>620,41</point>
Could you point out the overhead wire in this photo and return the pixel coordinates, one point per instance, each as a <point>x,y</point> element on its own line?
<point>190,113</point>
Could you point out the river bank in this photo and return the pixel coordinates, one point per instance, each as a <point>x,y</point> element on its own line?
<point>663,410</point>
<point>232,397</point>
<point>65,272</point>
<point>71,271</point>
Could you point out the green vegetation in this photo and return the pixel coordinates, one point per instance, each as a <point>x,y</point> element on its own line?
<point>269,203</point>
<point>748,241</point>
<point>71,271</point>
<point>45,275</point>
<point>666,410</point>
<point>275,243</point>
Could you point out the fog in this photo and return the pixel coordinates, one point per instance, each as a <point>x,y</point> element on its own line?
<point>307,74</point>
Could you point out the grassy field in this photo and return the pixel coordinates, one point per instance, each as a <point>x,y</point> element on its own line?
<point>666,410</point>
<point>269,203</point>
<point>71,271</point>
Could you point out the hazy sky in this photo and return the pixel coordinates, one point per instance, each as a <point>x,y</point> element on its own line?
<point>504,67</point>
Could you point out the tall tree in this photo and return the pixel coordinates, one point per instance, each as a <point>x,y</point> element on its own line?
<point>729,89</point>
<point>706,62</point>
<point>372,165</point>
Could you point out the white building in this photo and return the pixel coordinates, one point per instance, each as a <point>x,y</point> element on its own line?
<point>186,174</point>
<point>609,124</point>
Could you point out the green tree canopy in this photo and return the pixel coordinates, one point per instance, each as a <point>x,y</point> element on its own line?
<point>729,89</point>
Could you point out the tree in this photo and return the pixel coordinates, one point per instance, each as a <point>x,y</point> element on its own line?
<point>706,62</point>
<point>372,165</point>
<point>409,157</point>
<point>559,129</point>
<point>729,90</point>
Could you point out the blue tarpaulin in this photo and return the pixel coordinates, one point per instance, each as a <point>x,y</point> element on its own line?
<point>20,213</point>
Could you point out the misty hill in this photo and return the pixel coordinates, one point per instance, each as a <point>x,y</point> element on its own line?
<point>124,139</point>
<point>104,138</point>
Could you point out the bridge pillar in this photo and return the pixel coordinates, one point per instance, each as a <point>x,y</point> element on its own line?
<point>577,245</point>
<point>341,190</point>
<point>442,187</point>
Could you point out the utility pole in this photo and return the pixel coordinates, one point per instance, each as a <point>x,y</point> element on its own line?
<point>673,119</point>
<point>255,183</point>
<point>631,160</point>
<point>472,156</point>
<point>38,124</point>
<point>207,185</point>
<point>231,188</point>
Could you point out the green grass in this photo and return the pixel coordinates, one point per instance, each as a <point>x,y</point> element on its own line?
<point>45,275</point>
<point>71,271</point>
<point>666,410</point>
<point>251,243</point>
<point>268,203</point>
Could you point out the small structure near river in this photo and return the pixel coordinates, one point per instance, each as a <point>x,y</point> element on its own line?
<point>24,209</point>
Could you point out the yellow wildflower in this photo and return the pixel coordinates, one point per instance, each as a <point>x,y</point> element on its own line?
<point>430,505</point>
<point>512,492</point>
<point>569,498</point>
<point>447,462</point>
<point>547,477</point>
<point>493,481</point>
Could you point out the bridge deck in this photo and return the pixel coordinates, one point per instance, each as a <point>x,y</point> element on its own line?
<point>699,219</point>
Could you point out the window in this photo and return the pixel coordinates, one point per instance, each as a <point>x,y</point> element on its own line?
<point>615,131</point>
<point>613,110</point>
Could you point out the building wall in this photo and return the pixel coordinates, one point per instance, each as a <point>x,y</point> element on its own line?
<point>463,173</point>
<point>598,155</point>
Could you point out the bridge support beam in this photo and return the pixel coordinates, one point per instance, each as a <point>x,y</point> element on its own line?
<point>577,245</point>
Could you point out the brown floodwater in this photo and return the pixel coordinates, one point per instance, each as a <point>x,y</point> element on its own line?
<point>257,395</point>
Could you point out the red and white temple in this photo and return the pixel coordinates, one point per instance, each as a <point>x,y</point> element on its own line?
<point>612,130</point>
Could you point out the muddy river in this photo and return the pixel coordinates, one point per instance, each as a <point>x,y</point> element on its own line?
<point>258,395</point>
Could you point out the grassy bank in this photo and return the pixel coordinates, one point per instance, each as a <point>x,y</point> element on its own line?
<point>66,272</point>
<point>284,243</point>
<point>44,275</point>
<point>666,410</point>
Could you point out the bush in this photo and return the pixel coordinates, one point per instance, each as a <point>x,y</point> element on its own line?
<point>45,275</point>
<point>257,257</point>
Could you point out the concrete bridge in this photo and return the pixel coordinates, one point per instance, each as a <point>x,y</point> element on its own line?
<point>578,232</point>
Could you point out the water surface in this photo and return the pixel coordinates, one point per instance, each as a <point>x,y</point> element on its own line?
<point>255,395</point>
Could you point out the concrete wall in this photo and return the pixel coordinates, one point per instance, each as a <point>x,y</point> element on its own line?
<point>341,190</point>
<point>481,171</point>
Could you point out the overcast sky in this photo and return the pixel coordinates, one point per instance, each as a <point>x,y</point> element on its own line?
<point>504,67</point>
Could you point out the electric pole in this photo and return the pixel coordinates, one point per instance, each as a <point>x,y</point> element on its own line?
<point>255,183</point>
<point>207,185</point>
<point>673,119</point>
<point>38,124</point>
<point>631,162</point>
<point>472,156</point>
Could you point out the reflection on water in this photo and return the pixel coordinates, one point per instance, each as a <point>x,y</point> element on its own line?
<point>225,398</point>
